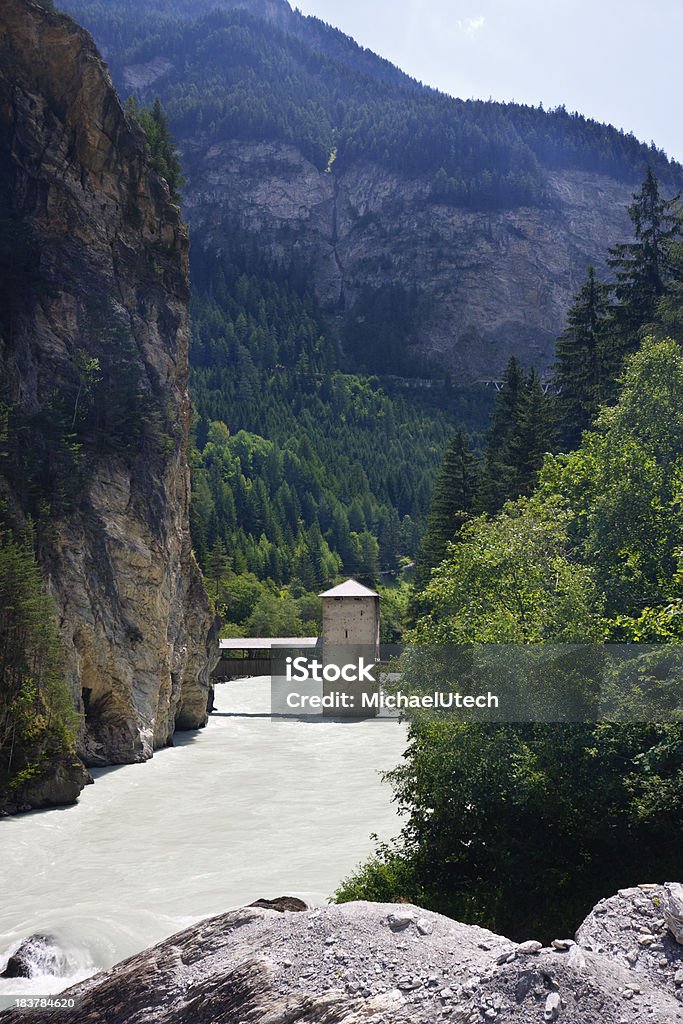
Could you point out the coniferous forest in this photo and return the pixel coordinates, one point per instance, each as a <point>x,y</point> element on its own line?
<point>302,472</point>
<point>318,436</point>
<point>298,79</point>
<point>560,524</point>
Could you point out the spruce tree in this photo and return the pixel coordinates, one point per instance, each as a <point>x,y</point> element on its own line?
<point>165,160</point>
<point>531,439</point>
<point>492,489</point>
<point>581,357</point>
<point>670,306</point>
<point>642,267</point>
<point>452,500</point>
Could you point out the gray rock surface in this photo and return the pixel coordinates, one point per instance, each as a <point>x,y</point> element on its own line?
<point>352,963</point>
<point>673,909</point>
<point>113,271</point>
<point>631,930</point>
<point>491,283</point>
<point>59,785</point>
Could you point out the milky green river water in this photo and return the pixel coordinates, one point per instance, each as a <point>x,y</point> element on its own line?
<point>248,807</point>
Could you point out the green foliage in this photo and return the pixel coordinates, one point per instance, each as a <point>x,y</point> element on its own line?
<point>37,717</point>
<point>253,607</point>
<point>582,373</point>
<point>607,321</point>
<point>89,377</point>
<point>531,438</point>
<point>380,329</point>
<point>624,483</point>
<point>164,157</point>
<point>520,435</point>
<point>394,602</point>
<point>642,266</point>
<point>509,580</point>
<point>384,878</point>
<point>301,472</point>
<point>452,501</point>
<point>522,829</point>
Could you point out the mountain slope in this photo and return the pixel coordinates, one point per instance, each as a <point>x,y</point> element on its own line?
<point>93,401</point>
<point>476,221</point>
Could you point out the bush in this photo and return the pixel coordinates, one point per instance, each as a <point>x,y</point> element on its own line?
<point>37,716</point>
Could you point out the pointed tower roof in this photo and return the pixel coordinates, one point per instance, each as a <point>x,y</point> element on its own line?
<point>349,588</point>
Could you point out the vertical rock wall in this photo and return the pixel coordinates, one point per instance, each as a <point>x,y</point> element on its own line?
<point>99,271</point>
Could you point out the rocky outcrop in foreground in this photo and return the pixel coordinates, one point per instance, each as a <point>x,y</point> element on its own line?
<point>394,964</point>
<point>94,379</point>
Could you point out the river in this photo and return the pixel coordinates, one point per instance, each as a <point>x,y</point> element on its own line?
<point>249,807</point>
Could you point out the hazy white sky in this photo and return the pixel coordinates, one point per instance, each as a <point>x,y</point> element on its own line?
<point>618,61</point>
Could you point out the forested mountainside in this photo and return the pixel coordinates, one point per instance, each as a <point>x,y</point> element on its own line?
<point>302,472</point>
<point>465,226</point>
<point>348,221</point>
<point>104,625</point>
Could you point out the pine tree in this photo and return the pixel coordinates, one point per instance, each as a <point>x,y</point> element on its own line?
<point>531,438</point>
<point>642,267</point>
<point>162,148</point>
<point>581,357</point>
<point>37,716</point>
<point>492,489</point>
<point>369,557</point>
<point>389,540</point>
<point>670,306</point>
<point>452,500</point>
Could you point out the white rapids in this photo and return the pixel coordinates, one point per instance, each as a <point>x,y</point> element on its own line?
<point>249,807</point>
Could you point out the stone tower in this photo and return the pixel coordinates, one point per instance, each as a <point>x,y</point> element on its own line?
<point>350,616</point>
<point>350,632</point>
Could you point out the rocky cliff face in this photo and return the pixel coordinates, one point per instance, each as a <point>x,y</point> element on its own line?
<point>94,368</point>
<point>317,155</point>
<point>385,964</point>
<point>322,158</point>
<point>486,284</point>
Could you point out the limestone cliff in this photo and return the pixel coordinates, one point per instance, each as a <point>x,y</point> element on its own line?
<point>94,376</point>
<point>332,166</point>
<point>487,284</point>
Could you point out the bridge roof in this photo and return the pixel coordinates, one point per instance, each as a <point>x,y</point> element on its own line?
<point>349,588</point>
<point>264,643</point>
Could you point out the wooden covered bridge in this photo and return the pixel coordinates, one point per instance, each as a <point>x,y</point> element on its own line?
<point>251,655</point>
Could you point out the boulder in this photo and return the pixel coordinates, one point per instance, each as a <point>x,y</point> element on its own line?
<point>282,903</point>
<point>347,965</point>
<point>34,956</point>
<point>673,909</point>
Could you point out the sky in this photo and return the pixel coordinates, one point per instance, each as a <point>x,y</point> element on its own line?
<point>618,61</point>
